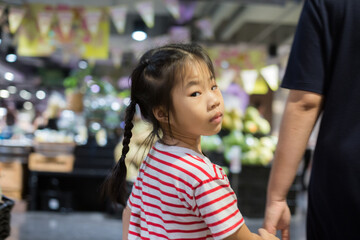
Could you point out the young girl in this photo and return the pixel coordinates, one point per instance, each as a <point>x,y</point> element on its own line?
<point>179,193</point>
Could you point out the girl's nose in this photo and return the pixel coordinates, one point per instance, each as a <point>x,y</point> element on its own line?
<point>214,100</point>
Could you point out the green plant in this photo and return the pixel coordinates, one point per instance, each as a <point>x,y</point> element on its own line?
<point>75,81</point>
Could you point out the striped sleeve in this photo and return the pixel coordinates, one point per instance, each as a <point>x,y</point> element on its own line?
<point>216,204</point>
<point>135,190</point>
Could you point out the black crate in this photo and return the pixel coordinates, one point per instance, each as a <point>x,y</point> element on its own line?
<point>5,213</point>
<point>58,201</point>
<point>251,190</point>
<point>93,156</point>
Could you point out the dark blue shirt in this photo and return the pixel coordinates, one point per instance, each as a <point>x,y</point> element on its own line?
<point>325,59</point>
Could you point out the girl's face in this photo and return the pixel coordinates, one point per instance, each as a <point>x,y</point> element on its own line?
<point>198,104</point>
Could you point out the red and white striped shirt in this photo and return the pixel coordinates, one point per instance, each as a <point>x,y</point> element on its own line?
<point>180,194</point>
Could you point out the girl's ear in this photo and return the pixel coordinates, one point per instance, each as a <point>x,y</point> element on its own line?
<point>160,114</point>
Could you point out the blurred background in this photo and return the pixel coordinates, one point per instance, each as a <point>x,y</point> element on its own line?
<point>64,86</point>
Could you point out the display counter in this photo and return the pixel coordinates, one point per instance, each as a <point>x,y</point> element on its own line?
<point>75,190</point>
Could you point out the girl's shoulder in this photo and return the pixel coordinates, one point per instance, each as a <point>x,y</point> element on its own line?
<point>187,162</point>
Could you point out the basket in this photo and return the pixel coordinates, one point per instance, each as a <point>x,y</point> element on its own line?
<point>5,211</point>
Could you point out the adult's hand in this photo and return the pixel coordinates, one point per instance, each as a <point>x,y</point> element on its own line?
<point>277,217</point>
<point>266,235</point>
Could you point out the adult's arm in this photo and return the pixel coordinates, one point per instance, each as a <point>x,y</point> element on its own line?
<point>301,113</point>
<point>125,222</point>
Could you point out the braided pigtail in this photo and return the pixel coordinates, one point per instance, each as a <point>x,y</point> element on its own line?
<point>115,184</point>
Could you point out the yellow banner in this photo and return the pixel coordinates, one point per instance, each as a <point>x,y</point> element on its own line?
<point>98,46</point>
<point>31,44</point>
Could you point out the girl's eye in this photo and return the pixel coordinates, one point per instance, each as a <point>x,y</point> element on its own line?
<point>195,94</point>
<point>214,87</point>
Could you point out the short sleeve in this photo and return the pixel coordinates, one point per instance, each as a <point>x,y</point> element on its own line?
<point>134,202</point>
<point>131,197</point>
<point>216,204</point>
<point>310,53</point>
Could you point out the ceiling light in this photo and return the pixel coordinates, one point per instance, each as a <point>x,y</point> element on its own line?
<point>4,93</point>
<point>139,35</point>
<point>82,64</point>
<point>3,112</point>
<point>115,106</point>
<point>95,88</point>
<point>95,126</point>
<point>11,55</point>
<point>28,105</point>
<point>25,94</point>
<point>12,89</point>
<point>40,94</point>
<point>9,76</point>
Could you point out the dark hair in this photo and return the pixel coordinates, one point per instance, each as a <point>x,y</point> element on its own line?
<point>152,81</point>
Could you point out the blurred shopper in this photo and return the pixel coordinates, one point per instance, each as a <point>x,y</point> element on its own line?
<point>10,120</point>
<point>323,75</point>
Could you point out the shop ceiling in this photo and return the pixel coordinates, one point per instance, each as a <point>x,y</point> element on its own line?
<point>259,22</point>
<point>233,21</point>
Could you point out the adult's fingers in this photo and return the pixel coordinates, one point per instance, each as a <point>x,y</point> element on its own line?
<point>285,234</point>
<point>270,227</point>
<point>266,235</point>
<point>271,221</point>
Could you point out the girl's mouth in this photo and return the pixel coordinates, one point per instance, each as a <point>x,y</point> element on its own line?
<point>217,118</point>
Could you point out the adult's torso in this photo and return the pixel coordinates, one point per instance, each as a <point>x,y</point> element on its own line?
<point>334,191</point>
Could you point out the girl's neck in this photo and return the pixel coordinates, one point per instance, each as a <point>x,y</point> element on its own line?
<point>193,144</point>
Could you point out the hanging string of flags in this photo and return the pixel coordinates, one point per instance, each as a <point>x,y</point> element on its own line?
<point>65,16</point>
<point>247,66</point>
<point>16,15</point>
<point>75,24</point>
<point>62,24</point>
<point>92,15</point>
<point>118,15</point>
<point>85,33</point>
